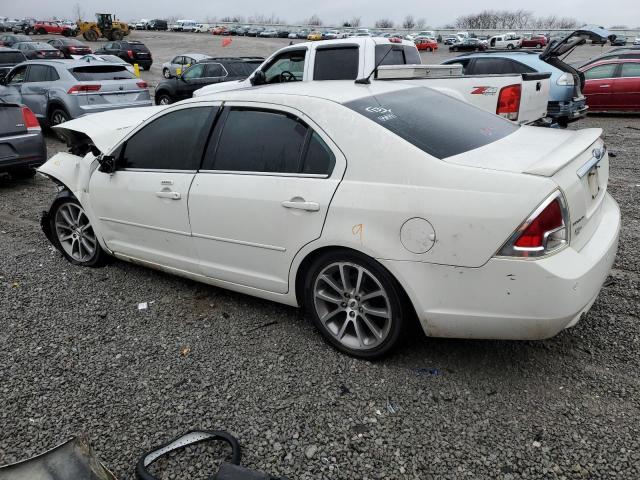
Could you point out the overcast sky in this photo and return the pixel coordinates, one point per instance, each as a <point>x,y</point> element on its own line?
<point>436,13</point>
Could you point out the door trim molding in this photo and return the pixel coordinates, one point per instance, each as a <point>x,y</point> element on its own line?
<point>240,242</point>
<point>141,225</point>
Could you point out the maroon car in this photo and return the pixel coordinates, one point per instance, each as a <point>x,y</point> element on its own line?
<point>613,85</point>
<point>536,41</point>
<point>70,46</point>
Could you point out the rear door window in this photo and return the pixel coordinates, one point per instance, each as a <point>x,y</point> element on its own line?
<point>259,141</point>
<point>397,55</point>
<point>101,72</point>
<point>318,158</point>
<point>630,70</point>
<point>336,63</point>
<point>434,122</point>
<point>490,66</point>
<point>213,70</point>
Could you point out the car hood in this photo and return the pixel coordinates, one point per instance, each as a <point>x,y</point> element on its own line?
<point>578,37</point>
<point>107,129</point>
<point>222,87</point>
<point>531,150</point>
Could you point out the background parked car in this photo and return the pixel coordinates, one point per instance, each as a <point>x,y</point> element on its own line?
<point>23,26</point>
<point>54,28</point>
<point>205,72</point>
<point>535,41</point>
<point>157,25</point>
<point>468,45</point>
<point>184,61</point>
<point>11,40</point>
<point>9,58</point>
<point>619,41</point>
<point>450,40</point>
<point>613,85</point>
<point>92,58</point>
<point>59,90</point>
<point>22,146</point>
<point>614,54</point>
<point>70,46</point>
<point>131,51</point>
<point>426,43</point>
<point>636,41</point>
<point>37,50</point>
<point>269,33</point>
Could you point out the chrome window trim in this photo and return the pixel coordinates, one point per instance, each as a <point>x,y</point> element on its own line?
<point>154,170</point>
<point>266,174</point>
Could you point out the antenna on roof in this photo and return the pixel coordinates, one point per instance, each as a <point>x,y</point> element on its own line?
<point>365,80</point>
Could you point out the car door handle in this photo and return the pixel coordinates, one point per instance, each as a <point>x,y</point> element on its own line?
<point>605,86</point>
<point>170,195</point>
<point>301,205</point>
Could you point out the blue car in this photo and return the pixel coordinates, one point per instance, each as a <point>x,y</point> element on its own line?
<point>566,101</point>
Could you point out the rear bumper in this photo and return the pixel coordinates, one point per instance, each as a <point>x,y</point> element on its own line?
<point>509,298</point>
<point>570,110</point>
<point>22,151</point>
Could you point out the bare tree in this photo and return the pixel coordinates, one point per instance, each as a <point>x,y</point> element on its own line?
<point>355,22</point>
<point>409,22</point>
<point>384,23</point>
<point>78,12</point>
<point>314,20</point>
<point>510,20</point>
<point>421,23</point>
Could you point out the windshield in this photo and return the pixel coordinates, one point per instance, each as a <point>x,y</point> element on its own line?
<point>435,123</point>
<point>101,72</point>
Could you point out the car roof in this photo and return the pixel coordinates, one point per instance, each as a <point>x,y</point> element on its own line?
<point>611,61</point>
<point>338,91</point>
<point>196,56</point>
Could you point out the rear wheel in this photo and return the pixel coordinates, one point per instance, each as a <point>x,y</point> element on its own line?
<point>90,35</point>
<point>57,116</point>
<point>23,173</point>
<point>163,99</point>
<point>355,304</point>
<point>509,47</point>
<point>74,235</point>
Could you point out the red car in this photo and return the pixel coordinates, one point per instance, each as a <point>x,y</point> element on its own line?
<point>536,41</point>
<point>425,43</point>
<point>613,85</point>
<point>220,31</point>
<point>44,28</point>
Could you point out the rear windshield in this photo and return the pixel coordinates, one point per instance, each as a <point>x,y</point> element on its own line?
<point>241,69</point>
<point>101,72</point>
<point>435,123</point>
<point>11,57</point>
<point>138,47</point>
<point>397,55</point>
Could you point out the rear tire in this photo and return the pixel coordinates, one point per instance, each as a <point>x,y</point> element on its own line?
<point>73,234</point>
<point>509,47</point>
<point>23,173</point>
<point>355,303</point>
<point>164,99</point>
<point>41,31</point>
<point>90,35</point>
<point>58,115</point>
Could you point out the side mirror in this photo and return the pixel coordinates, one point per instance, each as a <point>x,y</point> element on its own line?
<point>107,163</point>
<point>259,78</point>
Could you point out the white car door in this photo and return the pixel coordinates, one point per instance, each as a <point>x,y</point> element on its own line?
<point>142,207</point>
<point>263,193</point>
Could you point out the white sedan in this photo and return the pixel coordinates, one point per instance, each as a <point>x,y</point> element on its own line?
<point>371,205</point>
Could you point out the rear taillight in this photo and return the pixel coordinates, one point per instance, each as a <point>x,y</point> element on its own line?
<point>30,120</point>
<point>142,84</point>
<point>509,102</point>
<point>40,54</point>
<point>130,53</point>
<point>565,80</point>
<point>72,49</point>
<point>83,89</point>
<point>544,232</point>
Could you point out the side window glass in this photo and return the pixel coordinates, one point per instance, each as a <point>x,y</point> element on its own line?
<point>174,141</point>
<point>337,63</point>
<point>601,71</point>
<point>17,76</point>
<point>630,70</point>
<point>260,141</point>
<point>488,66</point>
<point>291,62</point>
<point>465,65</point>
<point>176,60</point>
<point>194,72</point>
<point>214,70</point>
<point>319,158</point>
<point>52,74</point>
<point>38,73</point>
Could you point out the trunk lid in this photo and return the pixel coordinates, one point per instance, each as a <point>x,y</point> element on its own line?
<point>535,92</point>
<point>11,120</point>
<point>576,161</point>
<point>574,39</point>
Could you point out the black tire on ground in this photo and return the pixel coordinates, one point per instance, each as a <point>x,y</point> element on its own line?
<point>116,35</point>
<point>90,35</point>
<point>163,98</point>
<point>66,33</point>
<point>509,47</point>
<point>41,31</point>
<point>396,305</point>
<point>57,115</point>
<point>538,45</point>
<point>166,73</point>
<point>66,205</point>
<point>23,173</point>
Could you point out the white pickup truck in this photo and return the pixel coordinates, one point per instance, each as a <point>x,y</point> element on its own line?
<point>519,97</point>
<point>507,41</point>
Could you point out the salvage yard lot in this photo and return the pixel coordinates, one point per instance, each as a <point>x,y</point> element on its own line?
<point>78,356</point>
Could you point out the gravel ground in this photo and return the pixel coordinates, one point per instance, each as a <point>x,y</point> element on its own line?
<point>79,357</point>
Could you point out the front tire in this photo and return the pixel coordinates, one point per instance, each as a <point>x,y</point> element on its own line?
<point>42,31</point>
<point>355,303</point>
<point>164,99</point>
<point>509,47</point>
<point>90,35</point>
<point>73,234</point>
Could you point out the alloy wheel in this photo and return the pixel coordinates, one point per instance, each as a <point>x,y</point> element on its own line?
<point>352,305</point>
<point>74,232</point>
<point>58,117</point>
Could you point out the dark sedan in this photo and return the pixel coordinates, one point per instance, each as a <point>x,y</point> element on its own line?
<point>38,50</point>
<point>70,46</point>
<point>205,72</point>
<point>468,45</point>
<point>11,40</point>
<point>9,58</point>
<point>22,146</point>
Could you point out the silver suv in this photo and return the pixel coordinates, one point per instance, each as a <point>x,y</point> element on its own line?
<point>59,90</point>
